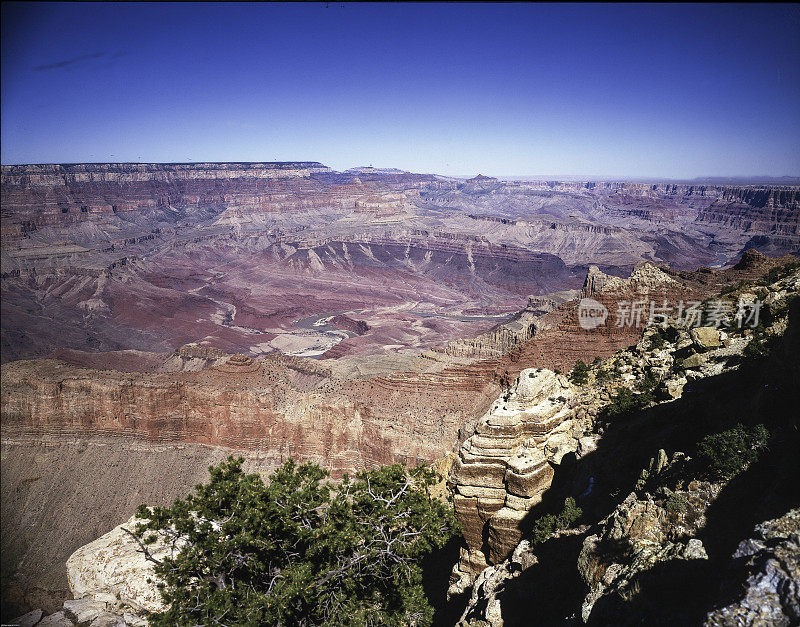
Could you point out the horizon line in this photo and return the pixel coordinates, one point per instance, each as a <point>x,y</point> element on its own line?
<point>535,176</point>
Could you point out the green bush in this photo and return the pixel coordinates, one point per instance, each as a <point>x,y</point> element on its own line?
<point>604,376</point>
<point>298,551</point>
<point>724,455</point>
<point>760,345</point>
<point>625,402</point>
<point>671,334</point>
<point>779,272</point>
<point>656,341</point>
<point>622,404</point>
<point>546,525</point>
<point>675,504</point>
<point>647,384</point>
<point>580,373</point>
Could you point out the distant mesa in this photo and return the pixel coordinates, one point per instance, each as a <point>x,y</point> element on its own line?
<point>368,169</point>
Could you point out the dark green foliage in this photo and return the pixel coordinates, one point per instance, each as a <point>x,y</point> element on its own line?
<point>646,387</point>
<point>675,504</point>
<point>625,403</point>
<point>656,341</point>
<point>779,272</point>
<point>580,373</point>
<point>557,370</point>
<point>760,345</point>
<point>736,287</point>
<point>671,334</point>
<point>546,525</point>
<point>299,551</point>
<point>661,335</point>
<point>724,455</point>
<point>604,376</point>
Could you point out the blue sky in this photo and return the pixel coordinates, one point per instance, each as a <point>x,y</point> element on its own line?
<point>626,90</point>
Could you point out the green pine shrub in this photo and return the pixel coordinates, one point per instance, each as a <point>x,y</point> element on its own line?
<point>548,524</point>
<point>298,550</point>
<point>580,373</point>
<point>724,455</point>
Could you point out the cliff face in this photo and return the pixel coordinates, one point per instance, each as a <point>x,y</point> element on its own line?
<point>34,196</point>
<point>61,492</point>
<point>510,461</point>
<point>104,441</point>
<point>242,404</point>
<point>502,470</point>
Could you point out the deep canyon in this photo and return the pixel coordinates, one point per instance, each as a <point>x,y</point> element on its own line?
<point>156,317</point>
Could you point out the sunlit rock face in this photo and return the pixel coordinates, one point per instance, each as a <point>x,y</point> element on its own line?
<point>503,469</point>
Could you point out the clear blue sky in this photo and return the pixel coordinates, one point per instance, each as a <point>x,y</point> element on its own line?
<point>655,90</point>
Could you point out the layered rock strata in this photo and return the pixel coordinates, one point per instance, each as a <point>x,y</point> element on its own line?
<point>503,469</point>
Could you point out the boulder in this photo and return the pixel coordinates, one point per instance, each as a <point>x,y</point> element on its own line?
<point>537,383</point>
<point>693,361</point>
<point>587,444</point>
<point>114,564</point>
<point>674,387</point>
<point>133,620</point>
<point>59,619</point>
<point>706,338</point>
<point>27,620</point>
<point>84,610</point>
<point>108,620</point>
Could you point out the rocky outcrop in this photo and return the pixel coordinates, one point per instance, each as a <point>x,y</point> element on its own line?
<point>484,606</point>
<point>768,593</point>
<point>502,470</point>
<point>99,609</point>
<point>506,466</point>
<point>193,357</point>
<point>359,327</point>
<point>663,541</point>
<point>498,341</point>
<point>115,565</point>
<point>638,535</point>
<point>645,280</point>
